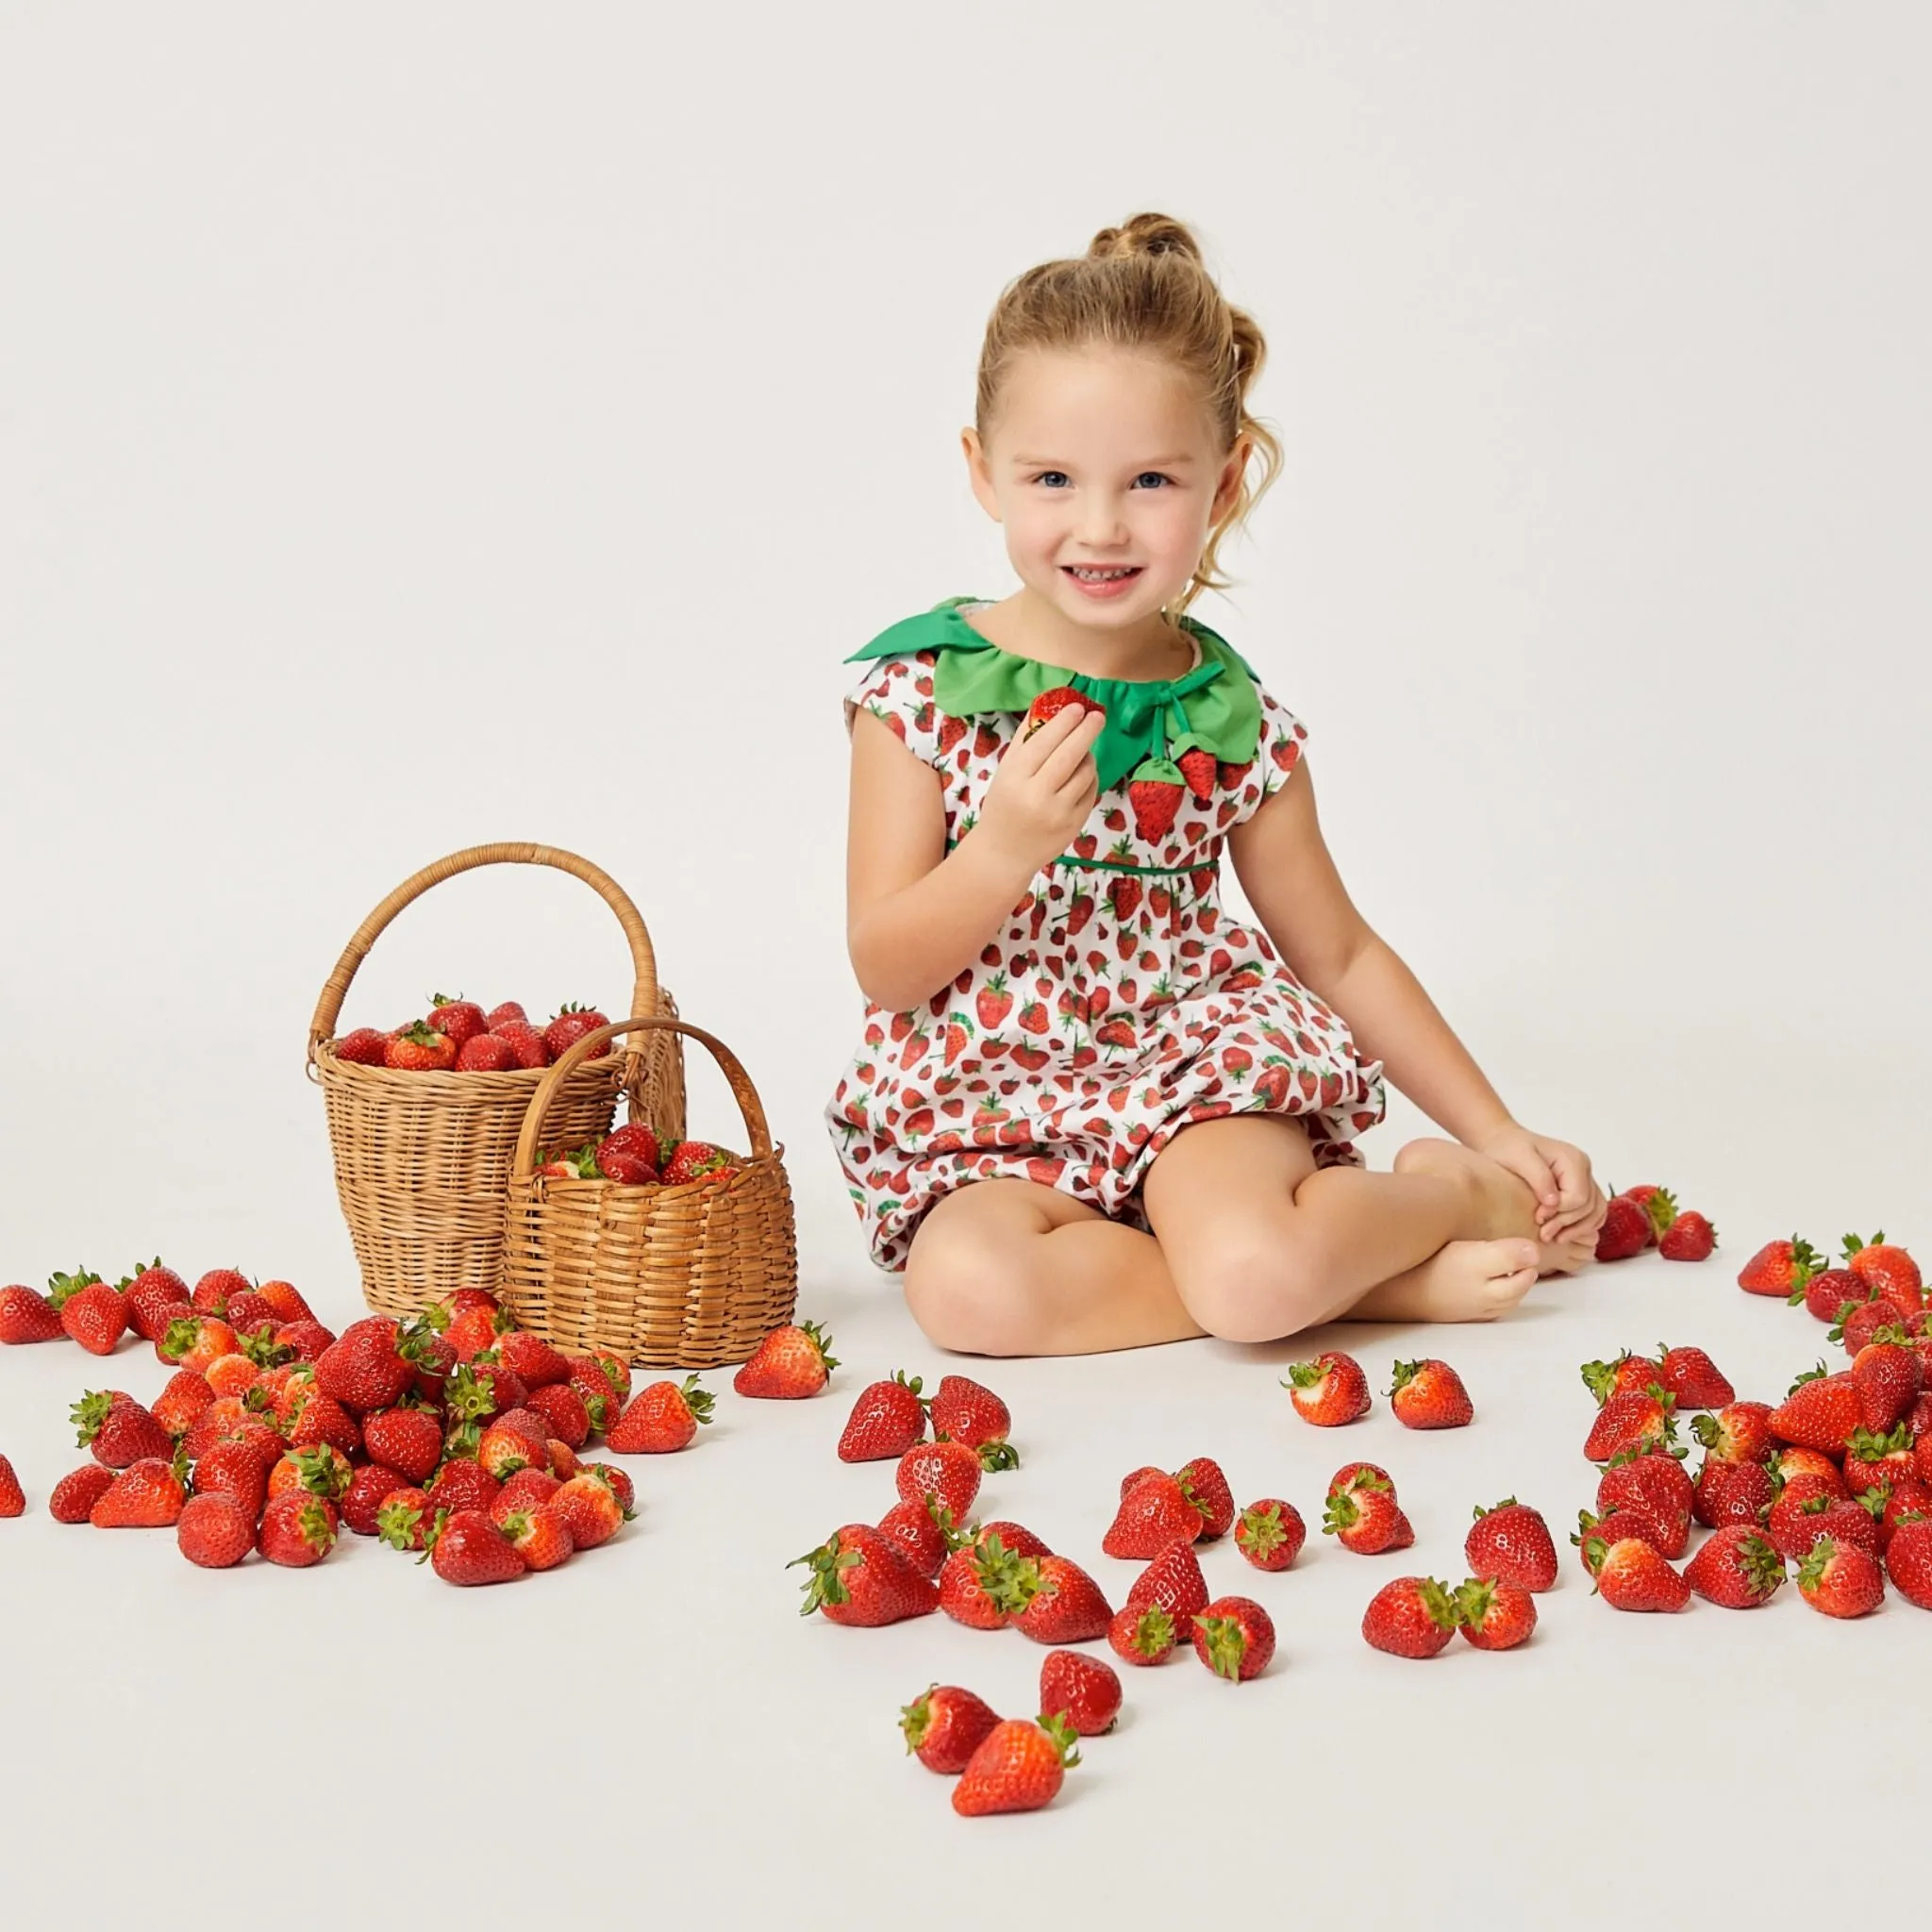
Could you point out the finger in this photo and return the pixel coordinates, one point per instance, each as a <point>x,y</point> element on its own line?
<point>1571,1170</point>
<point>1040,742</point>
<point>1072,757</point>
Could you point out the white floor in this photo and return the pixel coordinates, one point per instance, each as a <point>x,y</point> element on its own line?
<point>656,1723</point>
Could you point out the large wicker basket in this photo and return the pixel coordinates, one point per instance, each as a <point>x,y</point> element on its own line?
<point>687,1277</point>
<point>423,1159</point>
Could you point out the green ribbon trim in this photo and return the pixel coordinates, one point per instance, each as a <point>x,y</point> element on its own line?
<point>1117,865</point>
<point>1210,706</point>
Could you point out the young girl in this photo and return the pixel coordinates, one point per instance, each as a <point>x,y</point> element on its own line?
<point>1090,1111</point>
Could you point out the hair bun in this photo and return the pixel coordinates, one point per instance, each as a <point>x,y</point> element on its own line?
<point>1145,234</point>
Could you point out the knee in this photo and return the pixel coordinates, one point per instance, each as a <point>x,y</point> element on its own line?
<point>969,1299</point>
<point>1252,1281</point>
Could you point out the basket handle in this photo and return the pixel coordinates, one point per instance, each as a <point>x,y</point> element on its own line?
<point>524,1164</point>
<point>328,1009</point>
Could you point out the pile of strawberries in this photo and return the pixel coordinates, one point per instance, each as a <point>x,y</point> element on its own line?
<point>1648,1217</point>
<point>458,1036</point>
<point>1836,1478</point>
<point>632,1156</point>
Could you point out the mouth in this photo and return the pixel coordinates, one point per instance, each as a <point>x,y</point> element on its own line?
<point>1100,573</point>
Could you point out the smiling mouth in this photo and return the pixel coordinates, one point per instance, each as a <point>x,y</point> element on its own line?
<point>1100,573</point>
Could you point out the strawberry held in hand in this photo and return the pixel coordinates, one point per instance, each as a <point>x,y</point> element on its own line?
<point>1049,704</point>
<point>790,1364</point>
<point>1428,1394</point>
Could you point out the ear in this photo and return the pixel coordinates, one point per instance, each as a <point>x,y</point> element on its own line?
<point>978,473</point>
<point>1229,485</point>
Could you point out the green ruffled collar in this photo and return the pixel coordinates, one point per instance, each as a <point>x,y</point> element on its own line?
<point>1151,722</point>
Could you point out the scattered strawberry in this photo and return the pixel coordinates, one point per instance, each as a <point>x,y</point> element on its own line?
<point>1885,1267</point>
<point>371,1487</point>
<point>145,1495</point>
<point>1689,1237</point>
<point>1739,1432</point>
<point>1658,1203</point>
<point>1820,1412</point>
<point>467,1548</point>
<point>1363,1517</point>
<point>886,1421</point>
<point>12,1497</point>
<point>1877,1461</point>
<point>860,1577</point>
<point>26,1315</point>
<point>1014,1537</point>
<point>462,1483</point>
<point>1270,1533</point>
<point>1625,1231</point>
<point>1143,1634</point>
<point>1627,1374</point>
<point>1693,1378</point>
<point>92,1314</point>
<point>1205,1486</point>
<point>789,1362</point>
<point>119,1430</point>
<point>1840,1579</point>
<point>1631,1422</point>
<point>76,1494</point>
<point>1493,1615</point>
<point>970,1414</point>
<point>922,1532</point>
<point>1631,1574</point>
<point>1054,1601</point>
<point>539,1534</point>
<point>662,1416</point>
<point>1428,1394</point>
<point>1018,1767</point>
<point>320,1470</point>
<point>1080,1691</point>
<point>405,1519</point>
<point>153,1287</point>
<point>976,1584</point>
<point>944,1725</point>
<point>1651,1484</point>
<point>1780,1268</point>
<point>1888,1376</point>
<point>1235,1638</point>
<point>1329,1391</point>
<point>1172,1582</point>
<point>1509,1543</point>
<point>1736,1568</point>
<point>1414,1616</point>
<point>1908,1562</point>
<point>214,1531</point>
<point>1829,1293</point>
<point>1732,1492</point>
<point>562,1410</point>
<point>408,1441</point>
<point>1153,1513</point>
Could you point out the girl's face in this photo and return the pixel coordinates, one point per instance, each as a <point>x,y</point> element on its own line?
<point>1103,456</point>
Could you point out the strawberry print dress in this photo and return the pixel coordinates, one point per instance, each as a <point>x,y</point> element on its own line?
<point>1117,1005</point>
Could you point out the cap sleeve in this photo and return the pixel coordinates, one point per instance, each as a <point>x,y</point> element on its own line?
<point>1277,753</point>
<point>899,691</point>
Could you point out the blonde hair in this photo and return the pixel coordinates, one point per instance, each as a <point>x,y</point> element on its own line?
<point>1142,286</point>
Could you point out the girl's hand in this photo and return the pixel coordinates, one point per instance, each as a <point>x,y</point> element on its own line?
<point>1568,1197</point>
<point>1045,789</point>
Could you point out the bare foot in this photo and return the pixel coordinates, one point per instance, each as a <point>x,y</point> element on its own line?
<point>1464,1281</point>
<point>1504,1204</point>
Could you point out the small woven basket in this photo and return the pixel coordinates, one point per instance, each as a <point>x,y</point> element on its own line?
<point>687,1277</point>
<point>423,1159</point>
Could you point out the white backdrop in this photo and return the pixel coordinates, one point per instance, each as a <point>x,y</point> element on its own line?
<point>427,425</point>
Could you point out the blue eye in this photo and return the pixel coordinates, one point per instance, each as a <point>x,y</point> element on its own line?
<point>1043,475</point>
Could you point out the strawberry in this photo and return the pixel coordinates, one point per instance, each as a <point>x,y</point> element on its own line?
<point>511,1013</point>
<point>1019,1540</point>
<point>370,1487</point>
<point>622,1165</point>
<point>1888,1376</point>
<point>227,1375</point>
<point>462,1483</point>
<point>118,1429</point>
<point>486,1053</point>
<point>974,1583</point>
<point>1820,1412</point>
<point>1736,1568</point>
<point>234,1470</point>
<point>305,1339</point>
<point>591,1504</point>
<point>147,1494</point>
<point>465,1547</point>
<point>92,1314</point>
<point>1154,797</point>
<point>212,1296</point>
<point>1780,1268</point>
<point>523,1491</point>
<point>1840,1579</point>
<point>363,1368</point>
<point>527,1047</point>
<point>570,1026</point>
<point>1860,1324</point>
<point>12,1497</point>
<point>283,1297</point>
<point>1831,1290</point>
<point>1627,1230</point>
<point>1172,1582</point>
<point>539,1534</point>
<point>1205,1486</point>
<point>944,1725</point>
<point>562,1411</point>
<point>886,1421</point>
<point>1414,1616</point>
<point>944,1472</point>
<point>1904,1500</point>
<point>321,1469</point>
<point>1631,1574</point>
<point>408,1441</point>
<point>1509,1543</point>
<point>1908,1561</point>
<point>403,1522</point>
<point>790,1362</point>
<point>1329,1391</point>
<point>1739,1432</point>
<point>76,1494</point>
<point>1629,1422</point>
<point>420,1049</point>
<point>697,1161</point>
<point>1363,1517</point>
<point>922,1532</point>
<point>1054,1601</point>
<point>1655,1485</point>
<point>367,1046</point>
<point>1659,1206</point>
<point>661,1417</point>
<point>1732,1492</point>
<point>1790,1465</point>
<point>1886,1269</point>
<point>1080,1691</point>
<point>473,1332</point>
<point>1693,1378</point>
<point>970,1414</point>
<point>860,1577</point>
<point>1143,1634</point>
<point>1235,1638</point>
<point>1494,1615</point>
<point>1689,1237</point>
<point>193,1342</point>
<point>1019,1766</point>
<point>1270,1533</point>
<point>152,1286</point>
<point>1050,703</point>
<point>1627,1374</point>
<point>460,1020</point>
<point>323,1418</point>
<point>1428,1394</point>
<point>1796,1522</point>
<point>1153,1513</point>
<point>214,1531</point>
<point>26,1315</point>
<point>1877,1461</point>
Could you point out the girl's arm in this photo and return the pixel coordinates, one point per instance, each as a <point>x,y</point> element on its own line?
<point>1291,880</point>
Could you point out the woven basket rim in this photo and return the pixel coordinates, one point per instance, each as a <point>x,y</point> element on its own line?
<point>446,1079</point>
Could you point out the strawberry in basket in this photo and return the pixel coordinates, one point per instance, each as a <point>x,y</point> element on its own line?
<point>697,1160</point>
<point>421,1049</point>
<point>570,1026</point>
<point>630,1154</point>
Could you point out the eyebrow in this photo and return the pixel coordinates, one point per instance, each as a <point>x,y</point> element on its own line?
<point>1152,463</point>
